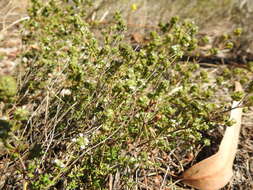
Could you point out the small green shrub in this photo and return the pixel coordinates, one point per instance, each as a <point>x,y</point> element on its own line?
<point>99,107</point>
<point>8,87</point>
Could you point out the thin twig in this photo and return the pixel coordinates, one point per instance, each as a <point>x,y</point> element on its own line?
<point>14,23</point>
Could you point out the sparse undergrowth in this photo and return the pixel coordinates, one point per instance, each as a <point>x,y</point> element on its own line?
<point>87,109</point>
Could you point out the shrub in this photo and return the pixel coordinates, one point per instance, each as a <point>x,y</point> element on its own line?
<point>90,107</point>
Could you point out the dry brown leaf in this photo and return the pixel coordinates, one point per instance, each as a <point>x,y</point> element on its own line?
<point>215,172</point>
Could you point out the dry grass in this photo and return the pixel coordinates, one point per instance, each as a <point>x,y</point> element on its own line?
<point>213,17</point>
<point>11,11</point>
